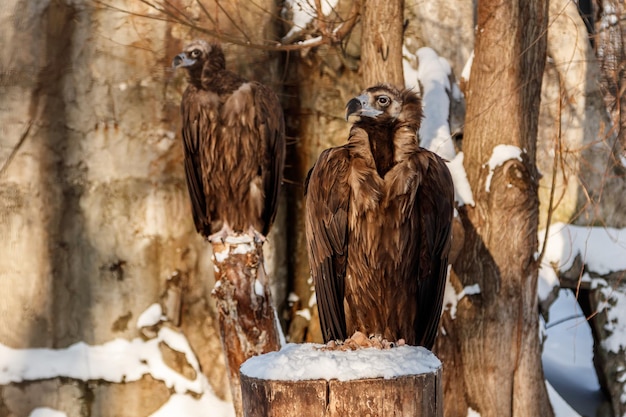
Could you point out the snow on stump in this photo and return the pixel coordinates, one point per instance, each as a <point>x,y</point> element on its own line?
<point>305,380</point>
<point>247,321</point>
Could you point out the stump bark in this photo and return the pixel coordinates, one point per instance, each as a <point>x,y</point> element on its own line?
<point>415,395</point>
<point>247,321</point>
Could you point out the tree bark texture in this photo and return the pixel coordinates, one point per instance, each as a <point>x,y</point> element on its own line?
<point>94,212</point>
<point>405,396</point>
<point>491,351</point>
<point>247,320</point>
<point>610,41</point>
<point>381,42</point>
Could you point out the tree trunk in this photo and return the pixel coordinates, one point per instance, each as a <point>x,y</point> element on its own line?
<point>94,212</point>
<point>248,323</point>
<point>491,351</point>
<point>611,52</point>
<point>381,42</point>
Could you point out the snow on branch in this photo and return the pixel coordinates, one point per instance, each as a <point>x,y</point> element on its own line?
<point>602,251</point>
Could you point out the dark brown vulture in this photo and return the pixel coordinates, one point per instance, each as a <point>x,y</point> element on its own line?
<point>378,224</point>
<point>234,145</point>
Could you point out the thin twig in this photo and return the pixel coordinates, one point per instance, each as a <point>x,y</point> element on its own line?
<point>557,152</point>
<point>16,148</point>
<point>333,37</point>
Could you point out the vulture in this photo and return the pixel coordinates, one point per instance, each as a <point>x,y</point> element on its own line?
<point>378,224</point>
<point>234,146</point>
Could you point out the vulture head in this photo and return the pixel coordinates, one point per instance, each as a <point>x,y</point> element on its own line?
<point>198,56</point>
<point>384,103</point>
<point>379,102</point>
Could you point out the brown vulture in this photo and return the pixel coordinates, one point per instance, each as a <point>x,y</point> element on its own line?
<point>234,145</point>
<point>378,224</point>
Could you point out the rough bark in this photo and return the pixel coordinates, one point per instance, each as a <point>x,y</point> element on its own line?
<point>494,337</point>
<point>381,42</point>
<point>248,325</point>
<point>94,213</point>
<point>404,396</point>
<point>318,89</point>
<point>611,51</point>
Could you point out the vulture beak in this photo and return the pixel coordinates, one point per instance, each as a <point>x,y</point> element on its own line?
<point>181,60</point>
<point>360,107</point>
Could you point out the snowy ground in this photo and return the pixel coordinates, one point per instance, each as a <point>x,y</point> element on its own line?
<point>567,359</point>
<point>568,355</point>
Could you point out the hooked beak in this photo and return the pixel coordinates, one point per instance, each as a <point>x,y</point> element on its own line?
<point>181,60</point>
<point>359,107</point>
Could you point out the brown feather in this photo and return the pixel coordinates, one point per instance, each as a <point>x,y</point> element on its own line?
<point>234,142</point>
<point>378,223</point>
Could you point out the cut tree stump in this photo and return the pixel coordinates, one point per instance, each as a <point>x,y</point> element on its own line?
<point>305,381</point>
<point>247,321</point>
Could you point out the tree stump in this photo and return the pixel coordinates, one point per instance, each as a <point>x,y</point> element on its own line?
<point>308,381</point>
<point>248,324</point>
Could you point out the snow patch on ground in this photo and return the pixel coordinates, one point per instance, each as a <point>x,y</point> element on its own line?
<point>568,358</point>
<point>118,361</point>
<point>560,407</point>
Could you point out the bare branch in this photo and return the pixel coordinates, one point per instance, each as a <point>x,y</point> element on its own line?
<point>16,148</point>
<point>172,14</point>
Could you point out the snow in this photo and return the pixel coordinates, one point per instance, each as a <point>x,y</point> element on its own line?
<point>304,313</point>
<point>568,350</point>
<point>616,324</point>
<point>298,362</point>
<point>433,73</point>
<point>118,361</point>
<point>462,190</point>
<point>292,298</point>
<point>472,413</point>
<point>560,407</point>
<point>258,288</point>
<point>467,69</point>
<point>46,412</point>
<point>221,256</point>
<point>568,358</point>
<point>433,76</point>
<point>303,13</point>
<point>451,297</point>
<point>602,249</point>
<point>243,248</point>
<point>151,316</point>
<point>411,78</point>
<point>115,361</point>
<point>499,155</point>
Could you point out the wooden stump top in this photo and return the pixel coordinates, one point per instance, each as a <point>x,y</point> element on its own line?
<point>304,380</point>
<point>308,361</point>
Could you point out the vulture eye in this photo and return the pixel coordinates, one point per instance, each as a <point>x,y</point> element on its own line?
<point>195,53</point>
<point>383,100</point>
